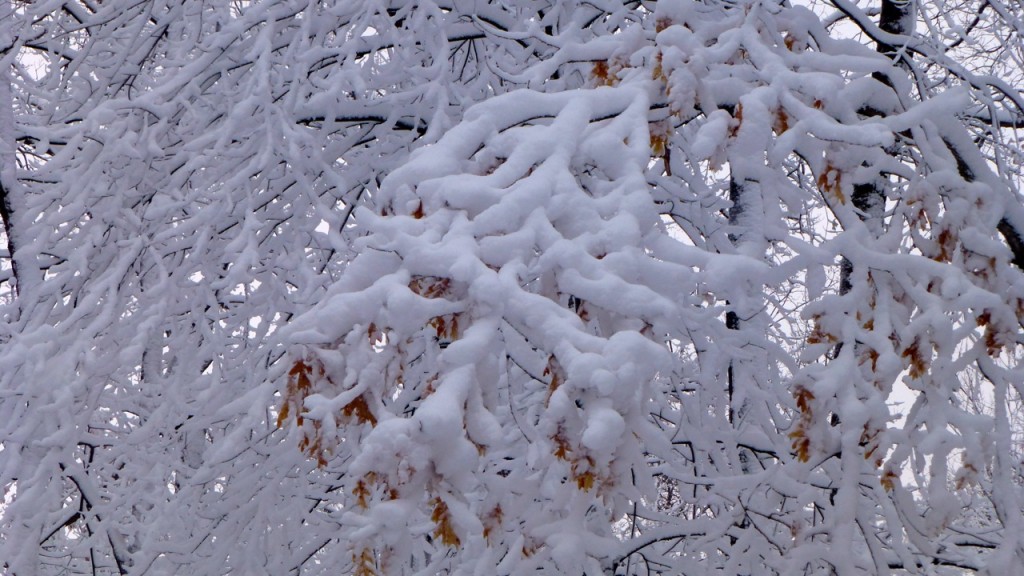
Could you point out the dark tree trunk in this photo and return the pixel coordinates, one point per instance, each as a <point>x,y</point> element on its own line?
<point>897,17</point>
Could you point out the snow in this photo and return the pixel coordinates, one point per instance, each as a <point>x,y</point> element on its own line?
<point>604,430</point>
<point>508,288</point>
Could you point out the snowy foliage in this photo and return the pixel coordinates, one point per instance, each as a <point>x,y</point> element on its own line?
<point>526,287</point>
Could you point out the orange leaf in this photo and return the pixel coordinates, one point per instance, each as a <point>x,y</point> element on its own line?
<point>492,522</point>
<point>443,524</point>
<point>830,182</point>
<point>918,365</point>
<point>365,563</point>
<point>888,480</point>
<point>360,410</point>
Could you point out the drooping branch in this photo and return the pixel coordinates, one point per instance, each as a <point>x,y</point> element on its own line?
<point>914,46</point>
<point>1014,240</point>
<point>970,166</point>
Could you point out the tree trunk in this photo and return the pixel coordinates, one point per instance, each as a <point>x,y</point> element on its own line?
<point>12,205</point>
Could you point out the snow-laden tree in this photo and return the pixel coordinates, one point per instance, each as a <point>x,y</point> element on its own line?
<point>511,288</point>
<point>178,181</point>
